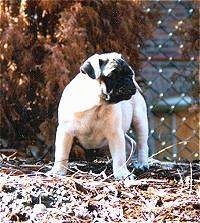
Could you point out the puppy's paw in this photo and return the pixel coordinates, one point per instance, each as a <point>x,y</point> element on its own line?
<point>142,166</point>
<point>58,171</point>
<point>121,174</point>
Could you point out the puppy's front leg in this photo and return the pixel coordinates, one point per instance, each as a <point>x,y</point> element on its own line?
<point>63,146</point>
<point>118,153</point>
<point>140,123</point>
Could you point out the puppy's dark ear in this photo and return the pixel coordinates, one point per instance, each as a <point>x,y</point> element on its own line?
<point>87,68</point>
<point>91,67</point>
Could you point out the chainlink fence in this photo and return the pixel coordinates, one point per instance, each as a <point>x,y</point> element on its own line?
<point>171,83</point>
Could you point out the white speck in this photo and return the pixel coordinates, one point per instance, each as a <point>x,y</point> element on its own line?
<point>181,46</point>
<point>180,22</point>
<point>162,119</point>
<point>191,10</point>
<point>183,119</point>
<point>163,143</point>
<point>5,46</point>
<point>196,155</point>
<point>159,22</point>
<point>192,58</point>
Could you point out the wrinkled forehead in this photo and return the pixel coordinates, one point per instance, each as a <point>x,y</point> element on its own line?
<point>112,63</point>
<point>110,56</point>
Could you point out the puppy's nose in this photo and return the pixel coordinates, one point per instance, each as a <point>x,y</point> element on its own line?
<point>130,91</point>
<point>127,90</point>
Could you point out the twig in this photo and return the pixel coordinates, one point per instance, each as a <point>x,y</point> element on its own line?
<point>168,147</point>
<point>190,191</point>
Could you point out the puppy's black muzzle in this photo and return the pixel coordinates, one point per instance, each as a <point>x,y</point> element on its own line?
<point>119,83</point>
<point>120,89</point>
<point>122,93</point>
<point>125,91</point>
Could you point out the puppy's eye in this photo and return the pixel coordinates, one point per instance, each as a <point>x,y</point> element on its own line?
<point>102,62</point>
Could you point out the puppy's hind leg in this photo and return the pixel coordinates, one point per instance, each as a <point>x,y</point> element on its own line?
<point>140,123</point>
<point>63,146</point>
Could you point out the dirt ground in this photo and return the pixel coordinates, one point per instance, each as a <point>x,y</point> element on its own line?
<point>167,192</point>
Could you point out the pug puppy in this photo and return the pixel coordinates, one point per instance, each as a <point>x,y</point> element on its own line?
<point>97,108</point>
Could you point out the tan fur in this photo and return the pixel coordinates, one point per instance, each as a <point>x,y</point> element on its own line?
<point>85,113</point>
